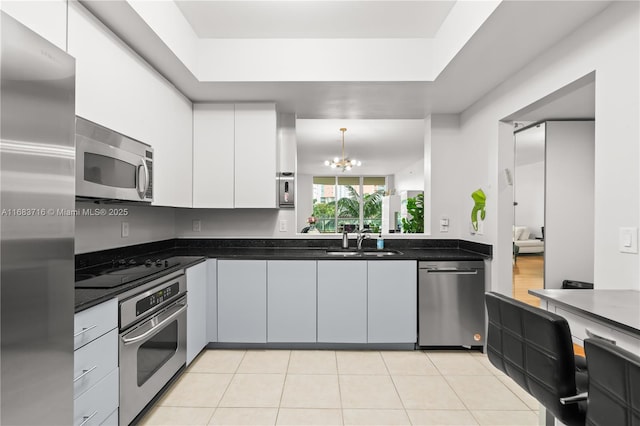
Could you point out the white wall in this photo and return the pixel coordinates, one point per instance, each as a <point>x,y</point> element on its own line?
<point>235,223</point>
<point>447,176</point>
<point>569,212</point>
<point>529,194</point>
<point>47,18</point>
<point>410,178</point>
<point>608,44</point>
<point>304,199</point>
<point>146,224</point>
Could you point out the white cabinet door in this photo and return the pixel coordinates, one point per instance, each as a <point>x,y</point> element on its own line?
<point>392,296</point>
<point>47,18</point>
<point>213,155</point>
<point>242,301</point>
<point>196,310</point>
<point>291,301</point>
<point>255,155</point>
<point>342,301</point>
<point>119,90</point>
<point>212,300</point>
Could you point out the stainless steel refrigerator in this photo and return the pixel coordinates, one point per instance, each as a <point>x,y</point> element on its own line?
<point>37,194</point>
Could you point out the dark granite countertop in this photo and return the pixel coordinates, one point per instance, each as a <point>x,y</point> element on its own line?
<point>88,297</point>
<point>619,308</point>
<point>317,253</point>
<point>192,251</point>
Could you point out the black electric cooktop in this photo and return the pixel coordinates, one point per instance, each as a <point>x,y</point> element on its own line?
<point>122,273</point>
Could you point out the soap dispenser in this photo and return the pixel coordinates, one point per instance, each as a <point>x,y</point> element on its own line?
<point>380,241</point>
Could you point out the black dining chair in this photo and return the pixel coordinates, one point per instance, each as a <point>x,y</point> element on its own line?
<point>614,384</point>
<point>534,348</point>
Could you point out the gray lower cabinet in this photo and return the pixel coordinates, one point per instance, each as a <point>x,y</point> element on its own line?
<point>197,311</point>
<point>242,301</point>
<point>392,301</point>
<point>291,301</point>
<point>342,301</point>
<point>212,300</point>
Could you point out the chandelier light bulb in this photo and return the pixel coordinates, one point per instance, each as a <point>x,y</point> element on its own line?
<point>327,162</point>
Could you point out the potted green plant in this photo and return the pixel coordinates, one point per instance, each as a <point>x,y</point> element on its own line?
<point>415,208</point>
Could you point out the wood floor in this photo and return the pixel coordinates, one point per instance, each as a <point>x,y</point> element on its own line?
<point>528,273</point>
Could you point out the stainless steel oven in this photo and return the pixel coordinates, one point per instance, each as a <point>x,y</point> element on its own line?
<point>153,341</point>
<point>112,166</point>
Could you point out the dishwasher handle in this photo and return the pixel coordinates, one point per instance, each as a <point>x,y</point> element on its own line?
<point>450,271</point>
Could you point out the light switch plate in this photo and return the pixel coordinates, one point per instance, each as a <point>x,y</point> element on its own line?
<point>125,229</point>
<point>283,225</point>
<point>628,240</point>
<point>196,226</point>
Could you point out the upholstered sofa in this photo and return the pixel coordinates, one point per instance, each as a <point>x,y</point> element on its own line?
<point>525,242</point>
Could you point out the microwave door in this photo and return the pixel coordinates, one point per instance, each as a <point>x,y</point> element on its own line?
<point>105,171</point>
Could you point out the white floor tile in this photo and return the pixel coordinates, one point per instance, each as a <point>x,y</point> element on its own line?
<point>309,416</point>
<point>245,416</point>
<point>360,362</point>
<point>506,418</point>
<point>178,416</point>
<point>313,362</point>
<point>197,390</point>
<point>409,363</point>
<point>217,361</point>
<point>441,417</point>
<point>311,391</point>
<point>264,362</point>
<point>485,393</point>
<point>364,391</point>
<point>374,417</point>
<point>254,390</point>
<point>427,392</point>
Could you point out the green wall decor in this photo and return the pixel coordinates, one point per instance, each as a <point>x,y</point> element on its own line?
<point>479,199</point>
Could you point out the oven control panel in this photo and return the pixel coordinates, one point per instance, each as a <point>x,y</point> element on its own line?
<point>156,298</point>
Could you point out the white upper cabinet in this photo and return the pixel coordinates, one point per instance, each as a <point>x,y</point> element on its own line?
<point>46,18</point>
<point>213,155</point>
<point>119,90</point>
<point>255,156</point>
<point>234,155</point>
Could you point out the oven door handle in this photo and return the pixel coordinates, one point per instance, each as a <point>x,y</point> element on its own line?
<point>161,320</point>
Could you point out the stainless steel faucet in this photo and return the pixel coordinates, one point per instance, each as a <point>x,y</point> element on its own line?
<point>362,236</point>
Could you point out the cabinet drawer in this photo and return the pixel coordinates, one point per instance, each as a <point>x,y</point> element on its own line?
<point>98,403</point>
<point>94,361</point>
<point>579,326</point>
<point>94,322</point>
<point>112,420</point>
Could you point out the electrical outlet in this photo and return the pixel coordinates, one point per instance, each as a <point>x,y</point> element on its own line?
<point>125,229</point>
<point>283,225</point>
<point>197,226</point>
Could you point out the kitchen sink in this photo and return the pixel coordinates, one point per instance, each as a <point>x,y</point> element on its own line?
<point>363,253</point>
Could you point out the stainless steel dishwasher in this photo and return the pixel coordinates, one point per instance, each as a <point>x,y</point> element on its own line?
<point>451,303</point>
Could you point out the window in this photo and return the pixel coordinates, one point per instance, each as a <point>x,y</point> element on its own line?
<point>351,203</point>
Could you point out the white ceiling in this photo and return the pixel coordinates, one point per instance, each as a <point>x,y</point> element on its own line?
<point>315,19</point>
<point>515,34</point>
<point>383,146</point>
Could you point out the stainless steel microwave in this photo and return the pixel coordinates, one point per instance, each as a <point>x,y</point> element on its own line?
<point>112,166</point>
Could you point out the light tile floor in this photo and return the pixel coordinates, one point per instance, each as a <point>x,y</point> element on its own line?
<point>281,387</point>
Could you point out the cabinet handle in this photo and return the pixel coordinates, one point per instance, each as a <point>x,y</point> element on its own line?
<point>85,419</point>
<point>84,373</point>
<point>593,335</point>
<point>84,330</point>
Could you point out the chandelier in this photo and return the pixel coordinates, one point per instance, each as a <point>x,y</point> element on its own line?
<point>345,164</point>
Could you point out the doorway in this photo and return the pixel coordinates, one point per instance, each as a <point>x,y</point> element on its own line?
<point>528,211</point>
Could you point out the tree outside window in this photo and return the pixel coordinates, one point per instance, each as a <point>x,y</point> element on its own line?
<point>351,203</point>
